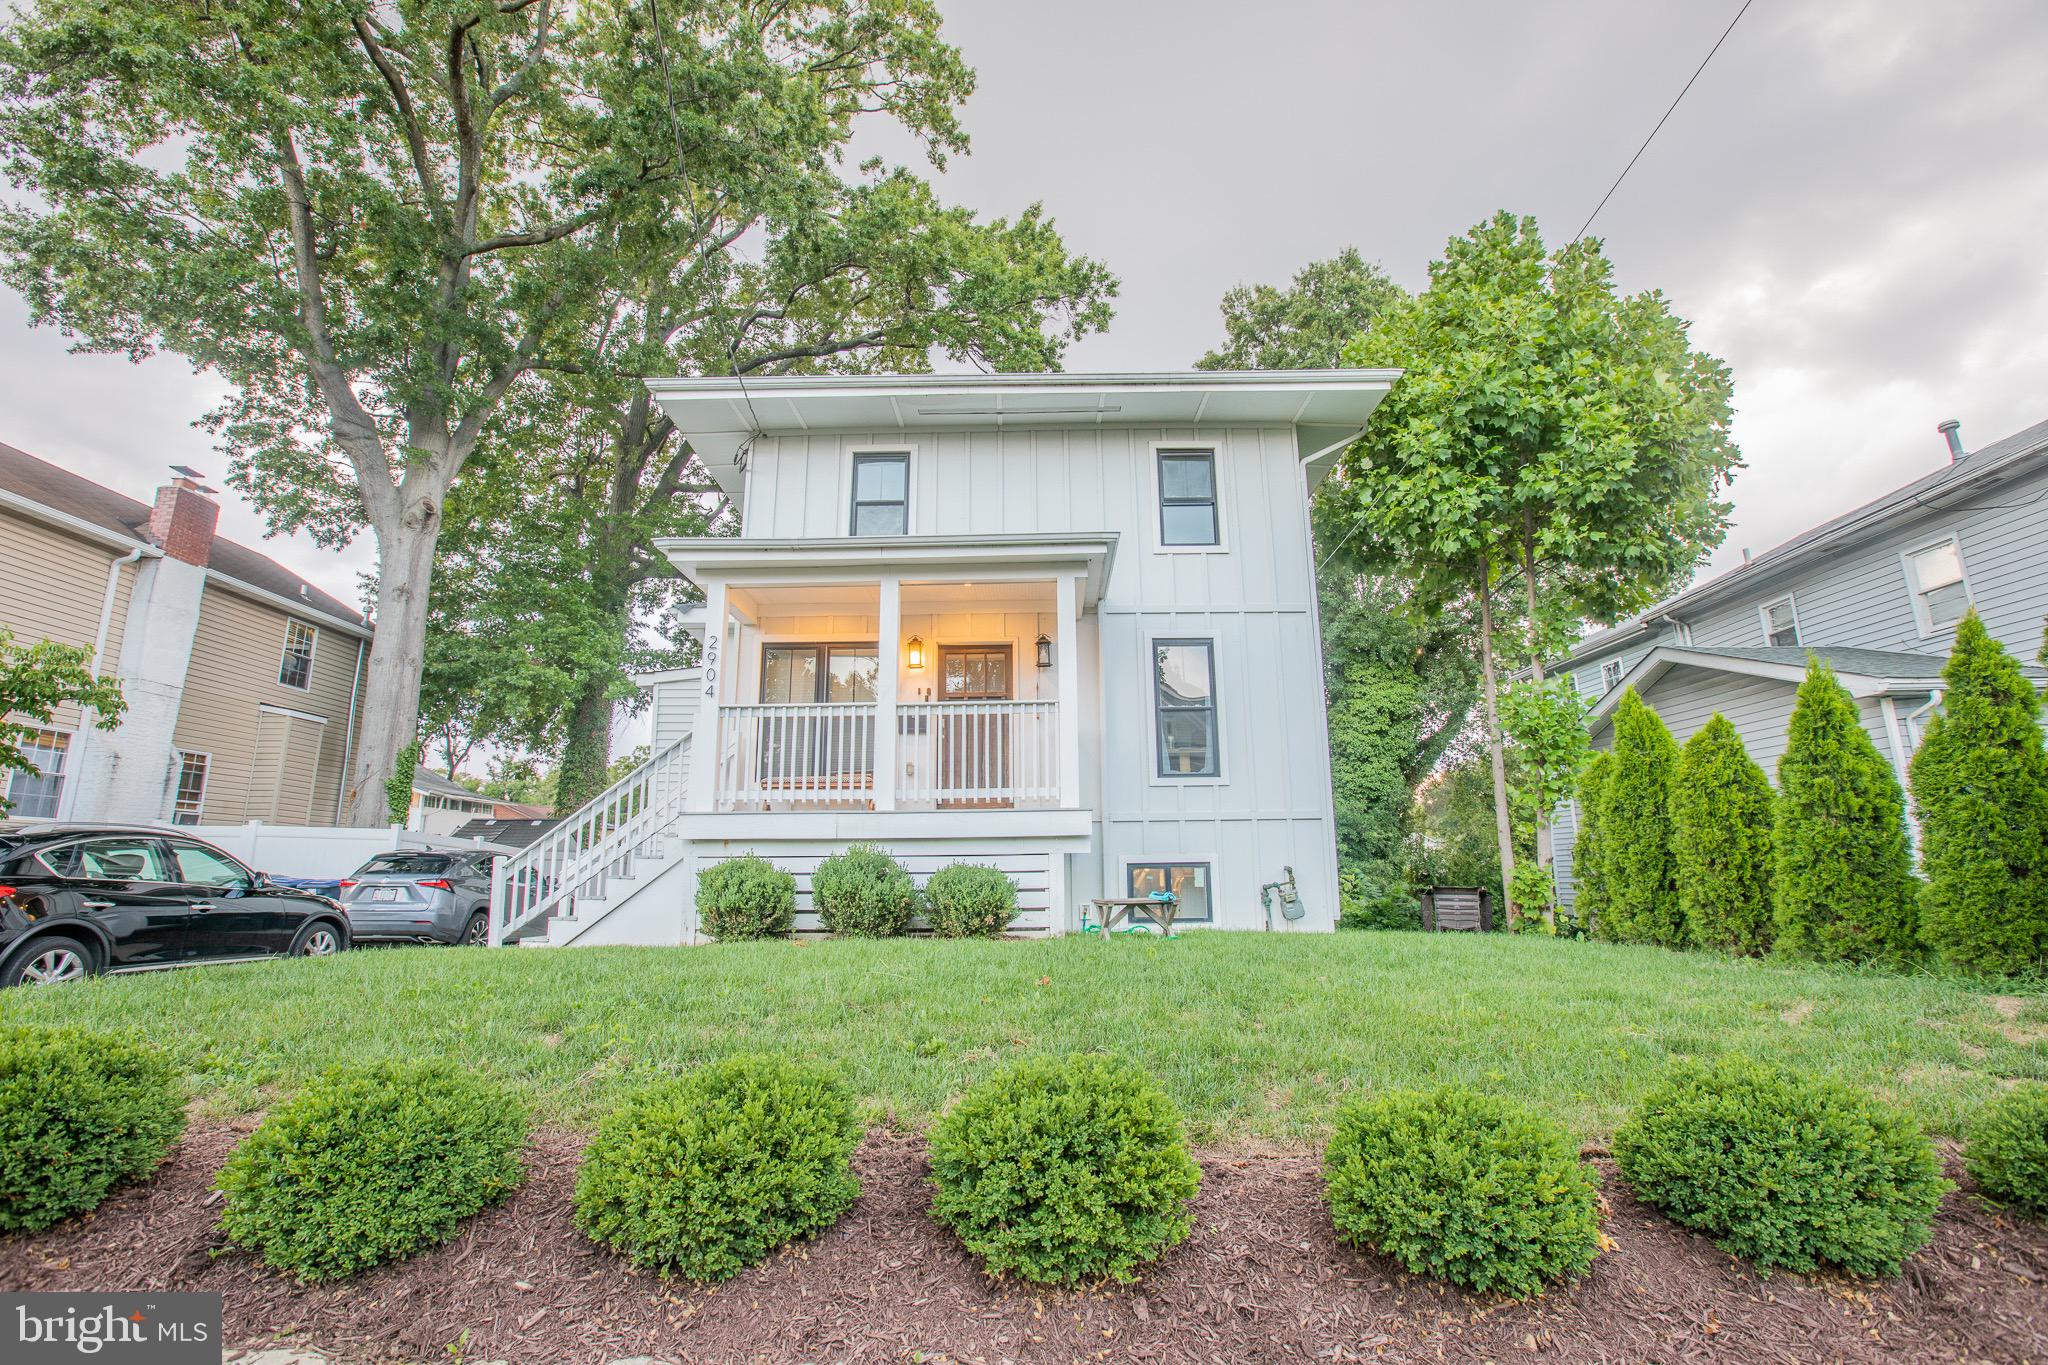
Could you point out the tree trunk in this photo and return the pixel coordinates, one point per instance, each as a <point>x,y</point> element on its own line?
<point>390,706</point>
<point>586,752</point>
<point>1544,855</point>
<point>1502,829</point>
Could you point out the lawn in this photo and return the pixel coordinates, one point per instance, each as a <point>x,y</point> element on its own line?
<point>1256,1036</point>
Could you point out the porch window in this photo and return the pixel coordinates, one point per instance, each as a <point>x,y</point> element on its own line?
<point>1189,882</point>
<point>189,799</point>
<point>881,495</point>
<point>1184,694</point>
<point>295,669</point>
<point>1941,592</point>
<point>1781,622</point>
<point>1187,498</point>
<point>34,795</point>
<point>803,746</point>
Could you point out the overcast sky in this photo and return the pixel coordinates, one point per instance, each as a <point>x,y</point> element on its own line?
<point>1851,205</point>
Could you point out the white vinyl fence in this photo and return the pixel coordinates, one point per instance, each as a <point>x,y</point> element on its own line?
<point>326,852</point>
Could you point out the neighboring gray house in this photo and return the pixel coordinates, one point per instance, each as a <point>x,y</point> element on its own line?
<point>1876,593</point>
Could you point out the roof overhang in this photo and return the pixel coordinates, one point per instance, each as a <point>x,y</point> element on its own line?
<point>1661,660</point>
<point>854,559</point>
<point>720,416</point>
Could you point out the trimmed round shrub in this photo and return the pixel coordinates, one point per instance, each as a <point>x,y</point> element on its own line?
<point>745,897</point>
<point>1462,1186</point>
<point>1785,1169</point>
<point>79,1113</point>
<point>1064,1169</point>
<point>371,1164</point>
<point>2008,1151</point>
<point>863,893</point>
<point>706,1174</point>
<point>967,900</point>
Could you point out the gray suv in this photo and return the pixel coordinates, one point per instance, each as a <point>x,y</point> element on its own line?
<point>410,897</point>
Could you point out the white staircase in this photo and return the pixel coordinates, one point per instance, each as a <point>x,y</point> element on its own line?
<point>554,890</point>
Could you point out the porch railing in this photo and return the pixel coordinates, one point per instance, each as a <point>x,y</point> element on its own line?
<point>978,753</point>
<point>799,755</point>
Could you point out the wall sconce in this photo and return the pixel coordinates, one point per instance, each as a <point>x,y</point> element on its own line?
<point>913,655</point>
<point>1044,652</point>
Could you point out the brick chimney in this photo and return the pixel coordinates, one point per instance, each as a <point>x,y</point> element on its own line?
<point>182,521</point>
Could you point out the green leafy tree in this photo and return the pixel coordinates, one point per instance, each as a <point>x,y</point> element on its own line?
<point>1589,854</point>
<point>1450,840</point>
<point>1980,785</point>
<point>1306,324</point>
<point>1548,430</point>
<point>1842,888</point>
<point>375,224</point>
<point>1544,724</point>
<point>1721,841</point>
<point>1635,830</point>
<point>37,679</point>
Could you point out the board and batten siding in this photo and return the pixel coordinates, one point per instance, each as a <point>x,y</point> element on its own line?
<point>1270,807</point>
<point>52,587</point>
<point>232,679</point>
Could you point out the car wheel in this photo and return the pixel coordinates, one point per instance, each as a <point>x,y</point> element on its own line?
<point>319,939</point>
<point>477,934</point>
<point>49,962</point>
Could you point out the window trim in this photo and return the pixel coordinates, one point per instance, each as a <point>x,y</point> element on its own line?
<point>1214,450</point>
<point>178,782</point>
<point>1620,672</point>
<point>1916,595</point>
<point>1160,775</point>
<point>285,653</point>
<point>1208,865</point>
<point>64,776</point>
<point>854,456</point>
<point>1763,615</point>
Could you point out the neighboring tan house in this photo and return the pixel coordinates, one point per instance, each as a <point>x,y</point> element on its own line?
<point>240,677</point>
<point>439,806</point>
<point>1875,593</point>
<point>1060,624</point>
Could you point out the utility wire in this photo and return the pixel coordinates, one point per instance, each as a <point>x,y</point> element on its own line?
<point>1660,123</point>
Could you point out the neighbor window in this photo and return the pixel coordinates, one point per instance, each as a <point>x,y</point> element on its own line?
<point>190,797</point>
<point>1610,675</point>
<point>1187,498</point>
<point>295,669</point>
<point>1940,592</point>
<point>1184,693</point>
<point>1781,622</point>
<point>1189,883</point>
<point>34,795</point>
<point>881,495</point>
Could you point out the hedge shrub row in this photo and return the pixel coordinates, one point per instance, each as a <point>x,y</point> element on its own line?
<point>861,893</point>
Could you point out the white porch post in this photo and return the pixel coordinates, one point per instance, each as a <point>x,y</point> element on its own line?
<point>707,745</point>
<point>889,644</point>
<point>1067,644</point>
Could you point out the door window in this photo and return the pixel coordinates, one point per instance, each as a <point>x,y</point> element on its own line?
<point>199,865</point>
<point>976,674</point>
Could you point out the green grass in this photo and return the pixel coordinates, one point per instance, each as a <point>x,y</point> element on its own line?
<point>1257,1036</point>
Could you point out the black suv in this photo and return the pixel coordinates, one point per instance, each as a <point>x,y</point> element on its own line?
<point>76,900</point>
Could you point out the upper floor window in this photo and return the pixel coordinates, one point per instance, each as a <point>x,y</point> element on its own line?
<point>1610,675</point>
<point>1187,498</point>
<point>1941,592</point>
<point>1184,694</point>
<point>189,797</point>
<point>881,495</point>
<point>34,795</point>
<point>1781,622</point>
<point>295,669</point>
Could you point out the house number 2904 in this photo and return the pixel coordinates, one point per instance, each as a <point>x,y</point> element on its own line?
<point>710,665</point>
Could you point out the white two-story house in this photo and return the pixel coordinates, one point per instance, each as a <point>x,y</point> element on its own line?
<point>1062,624</point>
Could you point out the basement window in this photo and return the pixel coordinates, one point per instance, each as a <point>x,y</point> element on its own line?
<point>1189,883</point>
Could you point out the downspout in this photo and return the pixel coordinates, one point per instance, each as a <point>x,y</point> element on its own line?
<point>68,802</point>
<point>348,745</point>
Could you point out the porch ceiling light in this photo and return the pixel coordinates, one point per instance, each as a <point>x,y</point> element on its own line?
<point>913,654</point>
<point>1044,652</point>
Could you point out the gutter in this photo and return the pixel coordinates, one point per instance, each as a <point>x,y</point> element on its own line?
<point>67,803</point>
<point>348,745</point>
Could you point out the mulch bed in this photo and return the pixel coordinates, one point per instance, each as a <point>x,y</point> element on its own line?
<point>1262,1279</point>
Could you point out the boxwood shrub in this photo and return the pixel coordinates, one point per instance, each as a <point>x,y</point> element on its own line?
<point>863,893</point>
<point>1064,1169</point>
<point>1462,1186</point>
<point>370,1164</point>
<point>704,1175</point>
<point>745,897</point>
<point>1786,1169</point>
<point>2008,1151</point>
<point>79,1113</point>
<point>967,900</point>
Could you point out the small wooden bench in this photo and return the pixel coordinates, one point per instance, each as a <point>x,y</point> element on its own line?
<point>1160,911</point>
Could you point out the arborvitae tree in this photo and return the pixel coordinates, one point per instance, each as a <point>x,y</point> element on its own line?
<point>1721,841</point>
<point>1980,782</point>
<point>1589,877</point>
<point>1843,886</point>
<point>1635,829</point>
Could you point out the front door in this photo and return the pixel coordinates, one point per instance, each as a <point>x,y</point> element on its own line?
<point>974,742</point>
<point>800,748</point>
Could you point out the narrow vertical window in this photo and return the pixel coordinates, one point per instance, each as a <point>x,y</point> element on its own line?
<point>295,669</point>
<point>881,495</point>
<point>1184,694</point>
<point>35,794</point>
<point>1941,592</point>
<point>1187,498</point>
<point>1781,622</point>
<point>190,797</point>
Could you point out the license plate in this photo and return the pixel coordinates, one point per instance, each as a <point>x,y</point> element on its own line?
<point>386,893</point>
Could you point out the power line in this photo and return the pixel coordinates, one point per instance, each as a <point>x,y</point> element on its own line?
<point>1660,123</point>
